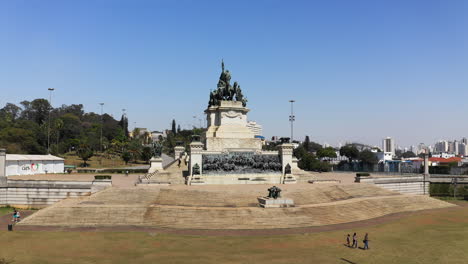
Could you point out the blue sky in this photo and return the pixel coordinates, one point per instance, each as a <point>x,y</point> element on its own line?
<point>358,70</point>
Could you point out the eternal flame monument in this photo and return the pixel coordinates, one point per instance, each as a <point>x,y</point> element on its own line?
<point>228,153</point>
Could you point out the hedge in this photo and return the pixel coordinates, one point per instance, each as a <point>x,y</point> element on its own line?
<point>360,174</point>
<point>103,177</point>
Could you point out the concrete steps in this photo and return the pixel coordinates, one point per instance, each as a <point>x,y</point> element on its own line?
<point>226,207</point>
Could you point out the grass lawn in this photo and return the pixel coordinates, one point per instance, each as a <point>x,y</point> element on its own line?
<point>6,210</point>
<point>426,237</point>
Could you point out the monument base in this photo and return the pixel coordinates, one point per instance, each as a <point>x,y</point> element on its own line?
<point>267,202</point>
<point>156,165</point>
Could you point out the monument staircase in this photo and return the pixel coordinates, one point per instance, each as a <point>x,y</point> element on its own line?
<point>229,207</point>
<point>173,174</point>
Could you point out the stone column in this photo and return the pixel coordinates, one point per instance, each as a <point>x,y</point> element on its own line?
<point>3,178</point>
<point>156,164</point>
<point>178,150</point>
<point>286,152</point>
<point>426,165</point>
<point>196,149</point>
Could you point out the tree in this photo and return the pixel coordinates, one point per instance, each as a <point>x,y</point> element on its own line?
<point>368,157</point>
<point>299,152</point>
<point>146,154</point>
<point>178,129</point>
<point>126,156</point>
<point>350,151</point>
<point>85,153</point>
<point>37,110</point>
<point>174,127</point>
<point>123,123</point>
<point>306,143</point>
<point>328,152</point>
<point>10,112</point>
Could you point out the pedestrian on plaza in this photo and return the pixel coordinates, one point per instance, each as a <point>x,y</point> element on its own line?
<point>354,241</point>
<point>348,241</point>
<point>14,215</point>
<point>179,163</point>
<point>366,241</point>
<point>18,216</point>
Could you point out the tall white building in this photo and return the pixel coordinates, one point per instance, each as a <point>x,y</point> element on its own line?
<point>441,146</point>
<point>388,145</point>
<point>463,149</point>
<point>255,128</point>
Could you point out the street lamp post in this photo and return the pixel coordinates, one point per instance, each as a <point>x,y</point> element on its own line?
<point>292,118</point>
<point>48,129</point>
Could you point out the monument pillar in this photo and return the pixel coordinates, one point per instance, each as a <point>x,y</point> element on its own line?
<point>286,153</point>
<point>196,149</point>
<point>178,150</point>
<point>3,178</point>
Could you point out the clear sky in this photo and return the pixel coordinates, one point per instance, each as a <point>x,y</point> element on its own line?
<point>358,70</point>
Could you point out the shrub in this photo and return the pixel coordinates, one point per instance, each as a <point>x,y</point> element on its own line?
<point>361,174</point>
<point>103,177</point>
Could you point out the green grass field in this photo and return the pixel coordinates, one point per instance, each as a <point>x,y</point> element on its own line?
<point>426,237</point>
<point>6,210</point>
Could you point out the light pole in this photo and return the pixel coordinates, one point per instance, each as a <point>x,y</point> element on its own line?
<point>48,129</point>
<point>194,121</point>
<point>292,118</point>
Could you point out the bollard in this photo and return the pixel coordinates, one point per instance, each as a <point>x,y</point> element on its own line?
<point>10,227</point>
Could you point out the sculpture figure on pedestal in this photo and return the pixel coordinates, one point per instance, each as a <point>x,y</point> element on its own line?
<point>226,92</point>
<point>274,192</point>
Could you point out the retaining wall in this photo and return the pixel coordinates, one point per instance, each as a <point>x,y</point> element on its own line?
<point>405,185</point>
<point>30,193</point>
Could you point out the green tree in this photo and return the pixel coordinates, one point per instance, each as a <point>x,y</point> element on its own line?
<point>350,151</point>
<point>306,143</point>
<point>126,156</point>
<point>299,152</point>
<point>146,154</point>
<point>85,153</point>
<point>328,152</point>
<point>173,127</point>
<point>368,157</point>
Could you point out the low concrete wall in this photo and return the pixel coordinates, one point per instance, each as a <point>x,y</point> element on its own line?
<point>270,178</point>
<point>405,185</point>
<point>30,193</point>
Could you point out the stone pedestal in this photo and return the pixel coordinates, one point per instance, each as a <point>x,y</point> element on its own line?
<point>196,149</point>
<point>178,150</point>
<point>3,178</point>
<point>280,202</point>
<point>156,165</point>
<point>227,128</point>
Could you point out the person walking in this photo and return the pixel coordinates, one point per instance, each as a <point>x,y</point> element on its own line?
<point>348,241</point>
<point>354,241</point>
<point>366,241</point>
<point>14,215</point>
<point>18,216</point>
<point>179,163</point>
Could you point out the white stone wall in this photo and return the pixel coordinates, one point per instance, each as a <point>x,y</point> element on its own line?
<point>270,178</point>
<point>405,185</point>
<point>28,193</point>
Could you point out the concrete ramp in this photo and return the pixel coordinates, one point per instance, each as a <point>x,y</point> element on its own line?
<point>229,207</point>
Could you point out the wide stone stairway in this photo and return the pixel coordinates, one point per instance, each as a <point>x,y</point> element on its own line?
<point>229,207</point>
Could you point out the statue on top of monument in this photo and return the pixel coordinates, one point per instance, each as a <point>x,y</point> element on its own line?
<point>226,92</point>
